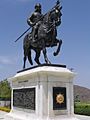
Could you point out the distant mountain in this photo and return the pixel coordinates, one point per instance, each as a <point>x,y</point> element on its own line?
<point>81,94</point>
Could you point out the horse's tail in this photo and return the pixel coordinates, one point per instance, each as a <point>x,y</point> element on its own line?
<point>27,50</point>
<point>26,41</point>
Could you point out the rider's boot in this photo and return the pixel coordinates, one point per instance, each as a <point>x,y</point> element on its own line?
<point>33,39</point>
<point>34,35</point>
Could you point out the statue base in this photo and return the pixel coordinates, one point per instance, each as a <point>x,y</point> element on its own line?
<point>43,92</point>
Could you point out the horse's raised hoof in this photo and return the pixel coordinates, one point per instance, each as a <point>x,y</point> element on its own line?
<point>54,54</point>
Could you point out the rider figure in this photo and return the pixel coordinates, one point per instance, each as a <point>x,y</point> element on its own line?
<point>34,21</point>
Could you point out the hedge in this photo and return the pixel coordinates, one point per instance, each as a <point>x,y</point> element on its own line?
<point>5,109</point>
<point>82,109</point>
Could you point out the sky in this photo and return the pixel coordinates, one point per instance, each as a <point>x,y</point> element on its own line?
<point>74,32</point>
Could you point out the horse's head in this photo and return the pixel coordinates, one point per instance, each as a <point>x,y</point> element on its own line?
<point>55,15</point>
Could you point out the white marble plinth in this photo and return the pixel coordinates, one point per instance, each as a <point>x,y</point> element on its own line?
<point>44,79</point>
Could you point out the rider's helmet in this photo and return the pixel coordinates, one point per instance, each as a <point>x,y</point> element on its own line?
<point>38,7</point>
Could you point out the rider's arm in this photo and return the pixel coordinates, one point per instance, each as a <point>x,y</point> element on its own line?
<point>30,20</point>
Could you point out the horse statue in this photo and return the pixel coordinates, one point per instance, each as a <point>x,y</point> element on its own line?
<point>47,33</point>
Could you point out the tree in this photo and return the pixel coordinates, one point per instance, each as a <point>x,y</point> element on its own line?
<point>5,90</point>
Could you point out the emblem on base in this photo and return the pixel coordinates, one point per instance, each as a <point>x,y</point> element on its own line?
<point>60,98</point>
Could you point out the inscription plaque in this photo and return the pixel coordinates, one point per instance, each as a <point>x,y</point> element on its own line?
<point>24,98</point>
<point>59,98</point>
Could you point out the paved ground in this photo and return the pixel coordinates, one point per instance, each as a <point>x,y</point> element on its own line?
<point>2,114</point>
<point>5,116</point>
<point>81,117</point>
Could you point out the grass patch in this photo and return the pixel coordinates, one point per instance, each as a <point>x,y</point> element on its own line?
<point>5,109</point>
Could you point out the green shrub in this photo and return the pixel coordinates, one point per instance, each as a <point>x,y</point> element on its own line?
<point>82,108</point>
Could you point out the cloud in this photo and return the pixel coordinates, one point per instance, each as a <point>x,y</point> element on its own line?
<point>5,60</point>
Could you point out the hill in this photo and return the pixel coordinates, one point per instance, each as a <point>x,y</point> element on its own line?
<point>81,94</point>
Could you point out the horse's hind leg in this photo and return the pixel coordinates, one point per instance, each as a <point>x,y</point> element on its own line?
<point>37,56</point>
<point>29,57</point>
<point>45,56</point>
<point>24,59</point>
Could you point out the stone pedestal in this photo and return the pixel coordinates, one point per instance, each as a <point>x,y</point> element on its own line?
<point>43,93</point>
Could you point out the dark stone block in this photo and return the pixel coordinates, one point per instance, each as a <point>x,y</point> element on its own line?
<point>24,98</point>
<point>59,98</point>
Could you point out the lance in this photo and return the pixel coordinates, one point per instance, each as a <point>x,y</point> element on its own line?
<point>57,5</point>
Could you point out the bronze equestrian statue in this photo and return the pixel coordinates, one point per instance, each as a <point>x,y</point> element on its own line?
<point>43,34</point>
